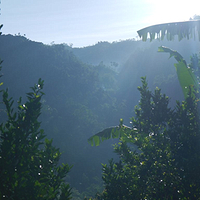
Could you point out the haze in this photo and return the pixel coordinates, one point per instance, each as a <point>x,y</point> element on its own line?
<point>84,23</point>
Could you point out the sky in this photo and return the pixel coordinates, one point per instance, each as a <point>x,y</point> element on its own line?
<point>86,22</point>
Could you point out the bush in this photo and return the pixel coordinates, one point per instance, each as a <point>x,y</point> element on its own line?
<point>161,159</point>
<point>28,163</point>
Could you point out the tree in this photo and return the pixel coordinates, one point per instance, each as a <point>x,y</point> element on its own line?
<point>159,155</point>
<point>186,29</point>
<point>162,158</point>
<point>188,75</point>
<point>28,163</point>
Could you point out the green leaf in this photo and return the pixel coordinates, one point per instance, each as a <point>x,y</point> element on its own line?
<point>106,134</point>
<point>173,53</point>
<point>109,133</point>
<point>185,75</point>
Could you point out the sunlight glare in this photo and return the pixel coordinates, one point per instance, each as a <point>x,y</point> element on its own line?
<point>172,10</point>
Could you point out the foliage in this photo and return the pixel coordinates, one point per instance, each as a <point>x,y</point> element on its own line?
<point>195,64</point>
<point>163,158</point>
<point>108,133</point>
<point>1,83</point>
<point>185,74</point>
<point>184,29</point>
<point>75,103</point>
<point>188,76</point>
<point>28,164</point>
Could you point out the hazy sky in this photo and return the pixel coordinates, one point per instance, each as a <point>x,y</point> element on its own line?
<point>85,22</point>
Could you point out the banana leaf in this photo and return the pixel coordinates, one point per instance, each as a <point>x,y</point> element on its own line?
<point>186,29</point>
<point>110,133</point>
<point>185,75</point>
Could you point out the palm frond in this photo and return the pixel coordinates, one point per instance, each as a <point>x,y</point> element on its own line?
<point>185,75</point>
<point>185,29</point>
<point>109,133</point>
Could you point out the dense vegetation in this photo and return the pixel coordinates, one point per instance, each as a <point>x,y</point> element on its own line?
<point>164,161</point>
<point>28,171</point>
<point>86,90</point>
<point>160,156</point>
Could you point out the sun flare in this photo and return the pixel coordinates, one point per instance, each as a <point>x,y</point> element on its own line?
<point>173,10</point>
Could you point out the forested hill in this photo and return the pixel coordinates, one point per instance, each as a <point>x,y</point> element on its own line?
<point>133,59</point>
<point>116,54</point>
<point>112,54</point>
<point>86,90</point>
